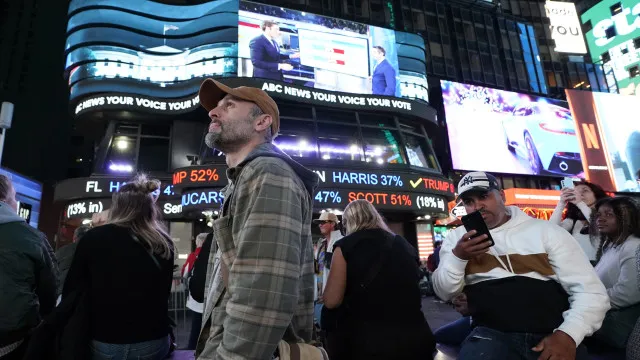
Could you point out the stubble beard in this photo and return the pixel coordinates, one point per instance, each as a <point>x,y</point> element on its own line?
<point>226,143</point>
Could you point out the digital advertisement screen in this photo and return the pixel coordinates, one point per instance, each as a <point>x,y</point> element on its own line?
<point>565,27</point>
<point>159,54</point>
<point>316,51</point>
<point>210,176</point>
<point>610,135</point>
<point>507,132</point>
<point>151,48</point>
<point>614,39</point>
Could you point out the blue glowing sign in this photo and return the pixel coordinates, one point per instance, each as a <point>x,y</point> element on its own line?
<point>80,188</point>
<point>206,199</point>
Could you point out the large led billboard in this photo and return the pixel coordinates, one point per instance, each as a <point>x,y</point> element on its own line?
<point>614,39</point>
<point>507,132</point>
<point>316,51</point>
<point>161,52</point>
<point>609,131</point>
<point>565,27</point>
<point>149,48</point>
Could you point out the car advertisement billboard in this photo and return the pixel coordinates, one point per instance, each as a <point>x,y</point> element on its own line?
<point>507,132</point>
<point>610,136</point>
<point>316,51</point>
<point>614,39</point>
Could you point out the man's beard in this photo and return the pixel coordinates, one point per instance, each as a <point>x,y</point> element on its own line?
<point>226,143</point>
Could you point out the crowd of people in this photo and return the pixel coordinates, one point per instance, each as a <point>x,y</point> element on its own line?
<point>528,289</point>
<point>578,275</point>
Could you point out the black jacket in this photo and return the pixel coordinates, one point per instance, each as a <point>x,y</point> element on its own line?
<point>28,277</point>
<point>64,255</point>
<point>65,333</point>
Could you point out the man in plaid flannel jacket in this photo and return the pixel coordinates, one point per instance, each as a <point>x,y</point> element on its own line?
<point>260,278</point>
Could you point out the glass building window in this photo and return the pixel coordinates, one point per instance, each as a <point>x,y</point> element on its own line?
<point>335,116</point>
<point>153,154</point>
<point>141,147</point>
<point>122,154</point>
<point>295,111</point>
<point>418,152</point>
<point>382,146</point>
<point>297,138</point>
<point>418,20</point>
<point>339,142</point>
<point>370,119</point>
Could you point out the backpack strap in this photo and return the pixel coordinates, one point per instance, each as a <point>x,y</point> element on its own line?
<point>148,251</point>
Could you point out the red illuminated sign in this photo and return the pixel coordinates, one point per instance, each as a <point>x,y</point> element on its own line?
<point>200,176</point>
<point>381,198</point>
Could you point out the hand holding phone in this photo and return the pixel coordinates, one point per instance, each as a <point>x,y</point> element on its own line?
<point>567,183</point>
<point>477,240</point>
<point>568,196</point>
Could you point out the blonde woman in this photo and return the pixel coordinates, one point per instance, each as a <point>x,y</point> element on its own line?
<point>374,282</point>
<point>126,267</point>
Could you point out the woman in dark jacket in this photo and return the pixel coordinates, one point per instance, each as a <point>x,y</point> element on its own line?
<point>374,280</point>
<point>125,269</point>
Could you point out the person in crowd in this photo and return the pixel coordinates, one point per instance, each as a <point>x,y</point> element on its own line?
<point>65,254</point>
<point>532,294</point>
<point>28,276</point>
<point>191,259</point>
<point>434,259</point>
<point>455,333</point>
<point>617,221</point>
<point>374,277</point>
<point>265,53</point>
<point>330,230</point>
<point>125,267</point>
<point>195,302</point>
<point>579,203</point>
<point>263,269</point>
<point>383,81</point>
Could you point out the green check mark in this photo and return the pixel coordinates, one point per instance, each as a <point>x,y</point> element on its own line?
<point>416,183</point>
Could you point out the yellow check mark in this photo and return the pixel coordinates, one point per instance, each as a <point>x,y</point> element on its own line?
<point>415,184</point>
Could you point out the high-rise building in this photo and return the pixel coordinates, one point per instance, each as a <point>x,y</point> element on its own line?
<point>32,35</point>
<point>380,98</point>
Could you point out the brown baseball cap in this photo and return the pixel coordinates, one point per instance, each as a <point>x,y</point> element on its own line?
<point>212,91</point>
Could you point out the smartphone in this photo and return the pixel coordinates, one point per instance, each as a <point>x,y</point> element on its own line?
<point>567,183</point>
<point>474,221</point>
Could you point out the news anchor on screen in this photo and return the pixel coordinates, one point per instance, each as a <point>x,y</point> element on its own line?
<point>383,81</point>
<point>265,53</point>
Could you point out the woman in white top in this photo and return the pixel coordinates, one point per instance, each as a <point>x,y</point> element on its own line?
<point>579,203</point>
<point>617,221</point>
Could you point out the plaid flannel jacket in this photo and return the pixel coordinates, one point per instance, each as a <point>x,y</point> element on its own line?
<point>264,240</point>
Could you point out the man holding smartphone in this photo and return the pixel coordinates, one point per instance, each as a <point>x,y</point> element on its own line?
<point>532,295</point>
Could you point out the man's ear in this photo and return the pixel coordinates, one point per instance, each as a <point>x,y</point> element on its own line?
<point>263,122</point>
<point>503,196</point>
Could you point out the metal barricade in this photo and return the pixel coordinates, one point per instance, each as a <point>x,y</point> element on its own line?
<point>178,310</point>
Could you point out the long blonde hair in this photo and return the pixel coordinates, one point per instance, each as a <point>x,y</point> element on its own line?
<point>134,207</point>
<point>361,215</point>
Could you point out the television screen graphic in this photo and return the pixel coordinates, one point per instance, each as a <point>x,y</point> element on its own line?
<point>316,51</point>
<point>507,132</point>
<point>333,52</point>
<point>164,51</point>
